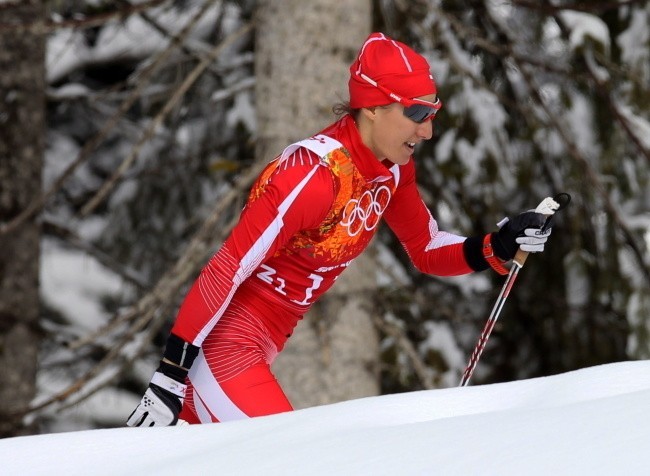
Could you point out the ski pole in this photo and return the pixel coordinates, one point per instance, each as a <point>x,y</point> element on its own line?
<point>547,207</point>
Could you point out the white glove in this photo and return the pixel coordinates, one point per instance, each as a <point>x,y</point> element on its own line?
<point>160,404</point>
<point>533,239</point>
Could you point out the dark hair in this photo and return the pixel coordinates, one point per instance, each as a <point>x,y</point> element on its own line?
<point>342,108</point>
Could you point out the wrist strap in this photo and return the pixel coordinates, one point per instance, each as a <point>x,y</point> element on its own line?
<point>488,253</point>
<point>169,384</point>
<point>180,352</point>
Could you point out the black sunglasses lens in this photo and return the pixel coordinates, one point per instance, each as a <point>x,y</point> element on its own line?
<point>419,112</point>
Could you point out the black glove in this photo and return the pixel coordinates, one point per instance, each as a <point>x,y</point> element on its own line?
<point>528,231</point>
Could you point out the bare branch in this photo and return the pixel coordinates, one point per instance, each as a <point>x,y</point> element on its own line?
<point>591,6</point>
<point>472,35</point>
<point>157,121</point>
<point>64,233</point>
<point>50,26</point>
<point>604,88</point>
<point>591,174</point>
<point>404,343</point>
<point>38,203</point>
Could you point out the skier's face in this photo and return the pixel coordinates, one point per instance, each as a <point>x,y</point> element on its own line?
<point>393,136</point>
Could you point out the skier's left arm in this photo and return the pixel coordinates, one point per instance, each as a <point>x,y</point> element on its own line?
<point>441,253</point>
<point>431,250</point>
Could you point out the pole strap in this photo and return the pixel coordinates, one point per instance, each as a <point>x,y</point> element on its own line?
<point>488,253</point>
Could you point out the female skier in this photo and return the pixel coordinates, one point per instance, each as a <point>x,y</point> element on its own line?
<point>309,214</point>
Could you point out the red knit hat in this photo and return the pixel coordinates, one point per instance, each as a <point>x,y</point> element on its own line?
<point>393,65</point>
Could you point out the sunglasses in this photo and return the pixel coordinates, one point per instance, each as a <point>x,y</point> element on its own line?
<point>415,109</point>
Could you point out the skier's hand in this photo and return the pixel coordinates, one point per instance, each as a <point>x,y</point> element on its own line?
<point>160,404</point>
<point>526,231</point>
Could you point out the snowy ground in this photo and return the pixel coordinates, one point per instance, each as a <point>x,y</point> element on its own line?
<point>594,421</point>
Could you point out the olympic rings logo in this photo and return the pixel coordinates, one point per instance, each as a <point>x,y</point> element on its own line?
<point>364,213</point>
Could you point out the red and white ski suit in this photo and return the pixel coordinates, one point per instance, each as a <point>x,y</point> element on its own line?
<point>310,213</point>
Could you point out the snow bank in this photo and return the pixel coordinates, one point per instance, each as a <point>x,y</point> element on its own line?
<point>593,421</point>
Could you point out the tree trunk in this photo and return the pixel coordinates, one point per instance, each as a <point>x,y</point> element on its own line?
<point>22,115</point>
<point>303,51</point>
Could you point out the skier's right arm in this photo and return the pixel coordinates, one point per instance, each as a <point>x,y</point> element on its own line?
<point>295,198</point>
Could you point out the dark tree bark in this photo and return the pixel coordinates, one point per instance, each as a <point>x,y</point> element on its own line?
<point>22,115</point>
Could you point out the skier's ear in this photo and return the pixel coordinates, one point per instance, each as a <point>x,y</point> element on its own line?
<point>369,112</point>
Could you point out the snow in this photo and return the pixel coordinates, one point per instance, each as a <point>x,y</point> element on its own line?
<point>578,119</point>
<point>583,26</point>
<point>638,124</point>
<point>630,42</point>
<point>592,421</point>
<point>132,37</point>
<point>66,51</point>
<point>74,283</point>
<point>440,338</point>
<point>636,313</point>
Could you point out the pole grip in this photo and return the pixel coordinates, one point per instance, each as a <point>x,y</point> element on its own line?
<point>520,257</point>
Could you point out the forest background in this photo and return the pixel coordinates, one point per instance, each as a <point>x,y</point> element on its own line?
<point>130,132</point>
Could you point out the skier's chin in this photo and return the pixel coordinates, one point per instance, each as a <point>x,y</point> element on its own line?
<point>399,160</point>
